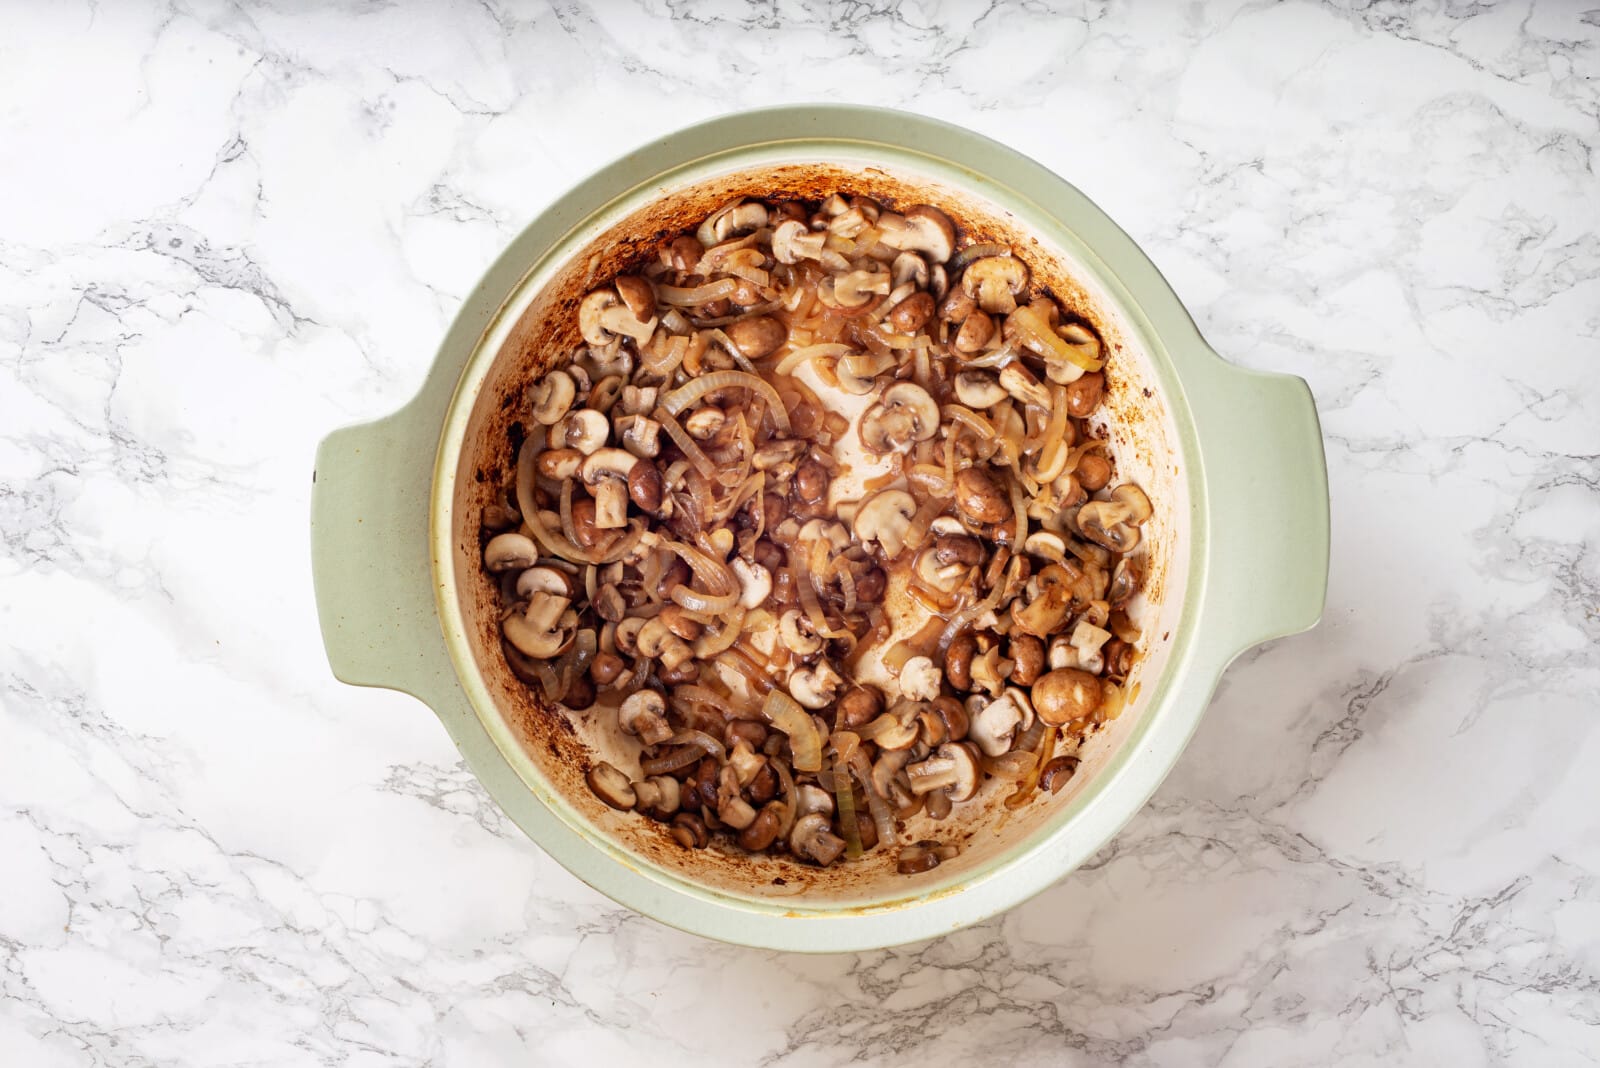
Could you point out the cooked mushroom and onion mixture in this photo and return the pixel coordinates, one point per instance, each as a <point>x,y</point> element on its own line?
<point>823,610</point>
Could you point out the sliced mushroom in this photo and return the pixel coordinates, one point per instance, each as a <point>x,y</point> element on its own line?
<point>811,798</point>
<point>920,678</point>
<point>976,330</point>
<point>743,219</point>
<point>996,725</point>
<point>659,795</point>
<point>510,552</point>
<point>978,389</point>
<point>816,687</point>
<point>640,435</point>
<point>792,242</point>
<point>885,518</point>
<point>645,487</point>
<point>909,267</point>
<point>944,577</point>
<point>585,430</point>
<point>658,642</point>
<point>644,715</point>
<point>732,808</point>
<point>559,464</point>
<point>755,582</point>
<point>855,288</point>
<point>994,283</point>
<point>542,580</point>
<point>1088,640</point>
<point>544,630</point>
<point>990,671</point>
<point>552,397</point>
<point>905,413</point>
<point>1066,694</point>
<point>611,786</point>
<point>894,730</point>
<point>704,423</point>
<point>887,767</point>
<point>638,295</point>
<point>1080,340</point>
<point>1017,381</point>
<point>602,316</point>
<point>811,839</point>
<point>952,769</point>
<point>1106,523</point>
<point>923,229</point>
<point>797,635</point>
<point>606,472</point>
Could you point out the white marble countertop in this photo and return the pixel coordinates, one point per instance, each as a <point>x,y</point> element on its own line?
<point>226,230</point>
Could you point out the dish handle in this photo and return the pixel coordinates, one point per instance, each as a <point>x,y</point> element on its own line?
<point>369,557</point>
<point>1266,479</point>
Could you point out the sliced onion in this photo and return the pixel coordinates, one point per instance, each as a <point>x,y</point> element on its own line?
<point>966,416</point>
<point>1030,781</point>
<point>791,798</point>
<point>711,643</point>
<point>930,510</point>
<point>808,596</point>
<point>791,362</point>
<point>845,802</point>
<point>1019,509</point>
<point>683,396</point>
<point>680,437</point>
<point>878,806</point>
<point>784,713</point>
<point>974,252</point>
<point>714,572</point>
<point>557,544</point>
<point>690,298</point>
<point>690,694</point>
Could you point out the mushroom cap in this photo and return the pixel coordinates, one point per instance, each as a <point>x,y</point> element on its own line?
<point>532,640</point>
<point>884,518</point>
<point>978,389</point>
<point>967,770</point>
<point>924,229</point>
<point>509,552</point>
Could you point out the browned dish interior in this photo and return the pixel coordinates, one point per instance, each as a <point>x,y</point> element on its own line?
<point>562,745</point>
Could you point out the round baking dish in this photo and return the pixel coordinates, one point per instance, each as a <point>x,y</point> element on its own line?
<point>1231,459</point>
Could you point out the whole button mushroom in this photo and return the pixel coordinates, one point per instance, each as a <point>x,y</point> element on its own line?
<point>980,498</point>
<point>756,336</point>
<point>1066,694</point>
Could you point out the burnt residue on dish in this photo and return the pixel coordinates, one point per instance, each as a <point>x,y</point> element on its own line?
<point>563,745</point>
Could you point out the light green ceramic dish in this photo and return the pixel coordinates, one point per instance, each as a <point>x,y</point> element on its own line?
<point>1232,460</point>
